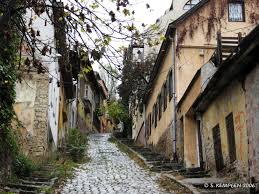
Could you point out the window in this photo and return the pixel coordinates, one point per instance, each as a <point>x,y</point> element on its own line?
<point>231,137</point>
<point>236,11</point>
<point>153,115</point>
<point>190,4</point>
<point>165,95</point>
<point>149,125</point>
<point>159,106</point>
<point>170,85</point>
<point>156,112</point>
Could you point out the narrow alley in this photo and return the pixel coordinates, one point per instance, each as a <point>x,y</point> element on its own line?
<point>110,171</point>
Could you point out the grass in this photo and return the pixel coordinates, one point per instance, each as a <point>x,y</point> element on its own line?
<point>171,186</point>
<point>64,167</point>
<point>123,148</point>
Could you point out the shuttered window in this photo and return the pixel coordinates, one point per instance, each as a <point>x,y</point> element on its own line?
<point>156,111</point>
<point>165,95</point>
<point>149,130</point>
<point>159,106</point>
<point>231,137</point>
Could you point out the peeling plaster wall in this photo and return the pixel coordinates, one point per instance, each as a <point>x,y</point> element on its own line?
<point>252,120</point>
<point>231,99</point>
<point>31,108</point>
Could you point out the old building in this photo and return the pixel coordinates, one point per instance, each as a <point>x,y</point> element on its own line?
<point>170,126</point>
<point>37,97</point>
<point>228,111</point>
<point>151,48</point>
<point>42,103</point>
<point>92,96</point>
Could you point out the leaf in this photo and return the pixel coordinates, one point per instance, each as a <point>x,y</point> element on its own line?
<point>126,12</point>
<point>162,37</point>
<point>94,6</point>
<point>112,14</point>
<point>96,55</point>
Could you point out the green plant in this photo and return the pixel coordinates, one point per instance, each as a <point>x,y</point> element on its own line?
<point>23,166</point>
<point>76,144</point>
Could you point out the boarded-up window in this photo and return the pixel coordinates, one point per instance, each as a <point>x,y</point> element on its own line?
<point>231,137</point>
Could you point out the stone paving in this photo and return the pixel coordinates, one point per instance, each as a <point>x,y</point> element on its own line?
<point>110,171</point>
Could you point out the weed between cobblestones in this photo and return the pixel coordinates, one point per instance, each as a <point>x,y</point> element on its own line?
<point>123,148</point>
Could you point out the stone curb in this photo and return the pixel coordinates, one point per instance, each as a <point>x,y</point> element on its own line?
<point>193,189</point>
<point>173,178</point>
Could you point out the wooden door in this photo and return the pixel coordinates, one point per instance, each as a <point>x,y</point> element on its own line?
<point>217,148</point>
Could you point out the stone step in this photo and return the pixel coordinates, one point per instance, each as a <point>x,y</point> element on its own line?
<point>19,191</point>
<point>196,175</point>
<point>39,183</point>
<point>25,187</point>
<point>36,179</point>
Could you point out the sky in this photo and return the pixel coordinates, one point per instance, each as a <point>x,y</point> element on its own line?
<point>158,8</point>
<point>144,15</point>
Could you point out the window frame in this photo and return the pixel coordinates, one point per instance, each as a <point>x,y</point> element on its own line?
<point>190,4</point>
<point>242,3</point>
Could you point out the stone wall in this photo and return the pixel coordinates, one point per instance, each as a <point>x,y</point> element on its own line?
<point>31,108</point>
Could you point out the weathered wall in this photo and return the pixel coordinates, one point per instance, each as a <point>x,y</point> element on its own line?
<point>198,34</point>
<point>160,137</point>
<point>189,124</point>
<point>252,120</point>
<point>141,138</point>
<point>231,99</point>
<point>31,108</point>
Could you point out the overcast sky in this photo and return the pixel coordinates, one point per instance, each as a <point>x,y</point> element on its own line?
<point>158,7</point>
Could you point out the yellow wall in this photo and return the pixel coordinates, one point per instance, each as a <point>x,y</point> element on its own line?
<point>189,125</point>
<point>192,37</point>
<point>231,99</point>
<point>166,119</point>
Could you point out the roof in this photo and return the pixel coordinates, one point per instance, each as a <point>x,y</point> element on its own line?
<point>236,66</point>
<point>165,45</point>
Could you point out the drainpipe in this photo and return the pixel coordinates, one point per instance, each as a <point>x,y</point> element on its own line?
<point>175,158</point>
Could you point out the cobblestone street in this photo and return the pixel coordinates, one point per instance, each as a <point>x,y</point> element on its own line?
<point>110,171</point>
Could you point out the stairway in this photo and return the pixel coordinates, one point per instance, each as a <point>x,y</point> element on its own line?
<point>156,162</point>
<point>39,179</point>
<point>228,46</point>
